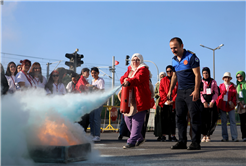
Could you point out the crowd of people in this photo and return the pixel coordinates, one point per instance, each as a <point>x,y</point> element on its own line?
<point>182,95</point>
<point>29,76</point>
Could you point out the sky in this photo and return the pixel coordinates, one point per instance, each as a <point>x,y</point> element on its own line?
<point>101,30</point>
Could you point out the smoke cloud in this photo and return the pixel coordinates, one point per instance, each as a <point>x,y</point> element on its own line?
<point>33,118</point>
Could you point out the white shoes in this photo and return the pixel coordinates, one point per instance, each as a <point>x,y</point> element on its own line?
<point>208,139</point>
<point>96,139</point>
<point>203,139</point>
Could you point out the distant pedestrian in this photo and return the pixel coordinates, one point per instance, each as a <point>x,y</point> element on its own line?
<point>168,106</point>
<point>98,85</point>
<point>209,95</point>
<point>226,102</point>
<point>241,101</point>
<point>158,116</point>
<point>137,78</point>
<point>10,75</point>
<point>187,72</point>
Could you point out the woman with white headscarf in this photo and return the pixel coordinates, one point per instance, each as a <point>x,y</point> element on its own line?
<point>157,128</point>
<point>137,78</point>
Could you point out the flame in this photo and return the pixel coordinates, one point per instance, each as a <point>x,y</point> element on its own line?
<point>55,134</point>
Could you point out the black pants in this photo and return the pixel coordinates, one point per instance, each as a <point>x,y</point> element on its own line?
<point>209,120</point>
<point>243,124</point>
<point>183,104</point>
<point>84,122</point>
<point>169,123</point>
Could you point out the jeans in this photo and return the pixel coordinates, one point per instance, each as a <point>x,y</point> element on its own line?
<point>95,121</point>
<point>233,125</point>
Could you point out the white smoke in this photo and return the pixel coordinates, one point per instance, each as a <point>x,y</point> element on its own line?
<point>25,113</point>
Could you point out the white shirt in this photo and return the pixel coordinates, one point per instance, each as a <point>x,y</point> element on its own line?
<point>69,86</point>
<point>57,89</point>
<point>40,84</point>
<point>22,77</point>
<point>11,82</point>
<point>99,83</point>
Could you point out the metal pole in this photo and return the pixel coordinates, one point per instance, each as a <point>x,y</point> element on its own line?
<point>113,78</point>
<point>214,64</point>
<point>48,68</point>
<point>156,68</point>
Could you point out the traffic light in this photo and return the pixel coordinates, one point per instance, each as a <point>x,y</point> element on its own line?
<point>71,63</point>
<point>127,60</point>
<point>79,61</point>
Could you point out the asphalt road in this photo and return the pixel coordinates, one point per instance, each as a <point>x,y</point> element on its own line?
<point>109,152</point>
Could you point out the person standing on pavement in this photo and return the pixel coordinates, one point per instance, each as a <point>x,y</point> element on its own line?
<point>36,73</point>
<point>209,94</point>
<point>186,70</point>
<point>241,101</point>
<point>168,112</point>
<point>226,102</point>
<point>10,76</point>
<point>137,78</point>
<point>158,117</point>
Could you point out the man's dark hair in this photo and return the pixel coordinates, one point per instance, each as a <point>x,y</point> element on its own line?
<point>95,69</point>
<point>85,70</point>
<point>177,39</point>
<point>169,66</point>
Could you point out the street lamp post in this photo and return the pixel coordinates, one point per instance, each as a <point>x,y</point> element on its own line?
<point>213,56</point>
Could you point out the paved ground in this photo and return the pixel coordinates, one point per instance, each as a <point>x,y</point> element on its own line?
<point>109,152</point>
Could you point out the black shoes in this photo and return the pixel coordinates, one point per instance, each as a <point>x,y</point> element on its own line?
<point>120,137</point>
<point>224,140</point>
<point>179,145</point>
<point>163,139</point>
<point>194,146</point>
<point>128,146</point>
<point>159,139</point>
<point>174,139</point>
<point>138,143</point>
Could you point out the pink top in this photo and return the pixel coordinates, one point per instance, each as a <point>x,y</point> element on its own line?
<point>214,89</point>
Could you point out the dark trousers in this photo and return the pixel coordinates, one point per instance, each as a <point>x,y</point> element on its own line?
<point>209,120</point>
<point>84,122</point>
<point>123,128</point>
<point>183,104</point>
<point>243,124</point>
<point>169,123</point>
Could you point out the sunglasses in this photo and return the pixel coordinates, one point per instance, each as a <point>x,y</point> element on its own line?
<point>240,77</point>
<point>169,71</point>
<point>55,75</point>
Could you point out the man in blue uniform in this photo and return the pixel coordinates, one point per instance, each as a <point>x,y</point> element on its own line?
<point>187,73</point>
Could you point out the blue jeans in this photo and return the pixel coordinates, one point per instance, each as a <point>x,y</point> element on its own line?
<point>95,121</point>
<point>233,125</point>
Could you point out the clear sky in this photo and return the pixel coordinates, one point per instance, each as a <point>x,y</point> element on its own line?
<point>101,30</point>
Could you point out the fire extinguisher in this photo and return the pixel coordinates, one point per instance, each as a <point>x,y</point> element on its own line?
<point>125,100</point>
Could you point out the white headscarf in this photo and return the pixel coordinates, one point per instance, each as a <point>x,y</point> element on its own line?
<point>161,73</point>
<point>140,57</point>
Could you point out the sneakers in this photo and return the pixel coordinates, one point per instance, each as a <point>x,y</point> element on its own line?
<point>235,140</point>
<point>174,139</point>
<point>208,139</point>
<point>179,145</point>
<point>163,139</point>
<point>194,146</point>
<point>127,146</point>
<point>96,139</point>
<point>138,143</point>
<point>203,139</point>
<point>224,140</point>
<point>244,139</point>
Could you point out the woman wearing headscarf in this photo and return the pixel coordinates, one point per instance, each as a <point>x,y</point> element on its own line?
<point>241,101</point>
<point>226,102</point>
<point>168,112</point>
<point>208,94</point>
<point>158,117</point>
<point>10,75</point>
<point>137,78</point>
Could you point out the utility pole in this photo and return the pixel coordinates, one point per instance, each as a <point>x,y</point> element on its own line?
<point>113,78</point>
<point>48,68</point>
